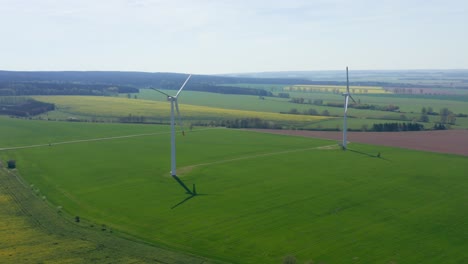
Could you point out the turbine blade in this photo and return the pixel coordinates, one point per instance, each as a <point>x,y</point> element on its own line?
<point>347,86</point>
<point>178,116</point>
<point>160,92</point>
<point>347,80</point>
<point>183,85</point>
<point>346,104</point>
<point>177,106</point>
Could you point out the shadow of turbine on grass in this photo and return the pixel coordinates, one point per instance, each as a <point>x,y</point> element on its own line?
<point>188,198</point>
<point>367,154</point>
<point>183,201</point>
<point>192,192</point>
<point>183,185</point>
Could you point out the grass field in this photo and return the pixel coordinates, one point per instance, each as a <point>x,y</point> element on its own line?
<point>410,106</point>
<point>407,104</point>
<point>339,89</point>
<point>261,197</point>
<point>275,105</point>
<point>361,117</point>
<point>115,107</point>
<point>17,132</point>
<point>33,232</point>
<point>353,124</point>
<point>238,102</point>
<point>268,87</point>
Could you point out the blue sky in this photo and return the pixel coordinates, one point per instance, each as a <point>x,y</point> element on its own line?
<point>221,36</point>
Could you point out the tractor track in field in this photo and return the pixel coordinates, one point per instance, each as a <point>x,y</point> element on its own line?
<point>190,167</point>
<point>91,140</point>
<point>81,141</point>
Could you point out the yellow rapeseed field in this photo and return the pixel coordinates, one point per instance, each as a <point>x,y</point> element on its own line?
<point>24,241</point>
<point>121,107</point>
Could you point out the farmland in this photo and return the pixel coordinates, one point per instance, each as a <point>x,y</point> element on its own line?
<point>215,109</point>
<point>34,232</point>
<point>409,106</point>
<point>443,141</point>
<point>336,89</point>
<point>113,108</point>
<point>261,197</point>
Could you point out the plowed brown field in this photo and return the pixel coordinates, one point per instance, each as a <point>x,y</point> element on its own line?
<point>444,141</point>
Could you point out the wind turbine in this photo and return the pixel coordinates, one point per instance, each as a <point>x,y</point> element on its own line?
<point>174,103</point>
<point>347,95</point>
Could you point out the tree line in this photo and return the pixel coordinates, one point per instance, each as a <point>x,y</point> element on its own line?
<point>396,127</point>
<point>389,108</point>
<point>251,123</point>
<point>210,88</point>
<point>60,88</point>
<point>145,79</point>
<point>67,88</point>
<point>310,111</point>
<point>132,119</point>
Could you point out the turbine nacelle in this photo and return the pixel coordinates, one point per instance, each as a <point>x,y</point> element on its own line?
<point>173,97</point>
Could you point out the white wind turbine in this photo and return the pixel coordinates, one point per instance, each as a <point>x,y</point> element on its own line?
<point>347,95</point>
<point>174,103</point>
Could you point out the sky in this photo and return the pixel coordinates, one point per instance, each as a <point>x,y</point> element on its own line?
<point>224,36</point>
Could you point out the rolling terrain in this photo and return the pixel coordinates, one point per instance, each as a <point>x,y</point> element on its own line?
<point>113,108</point>
<point>261,197</point>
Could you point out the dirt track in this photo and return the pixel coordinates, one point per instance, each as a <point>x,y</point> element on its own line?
<point>444,141</point>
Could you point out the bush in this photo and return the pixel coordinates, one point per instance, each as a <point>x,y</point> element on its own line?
<point>424,118</point>
<point>11,164</point>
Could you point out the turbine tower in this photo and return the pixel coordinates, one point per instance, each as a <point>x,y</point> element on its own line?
<point>174,104</point>
<point>347,95</point>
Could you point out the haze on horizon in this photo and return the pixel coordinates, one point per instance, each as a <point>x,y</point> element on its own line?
<point>210,37</point>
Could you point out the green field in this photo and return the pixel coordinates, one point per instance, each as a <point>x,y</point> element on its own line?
<point>338,89</point>
<point>275,105</point>
<point>410,106</point>
<point>112,108</point>
<point>261,196</point>
<point>17,132</point>
<point>239,102</point>
<point>32,231</point>
<point>252,103</point>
